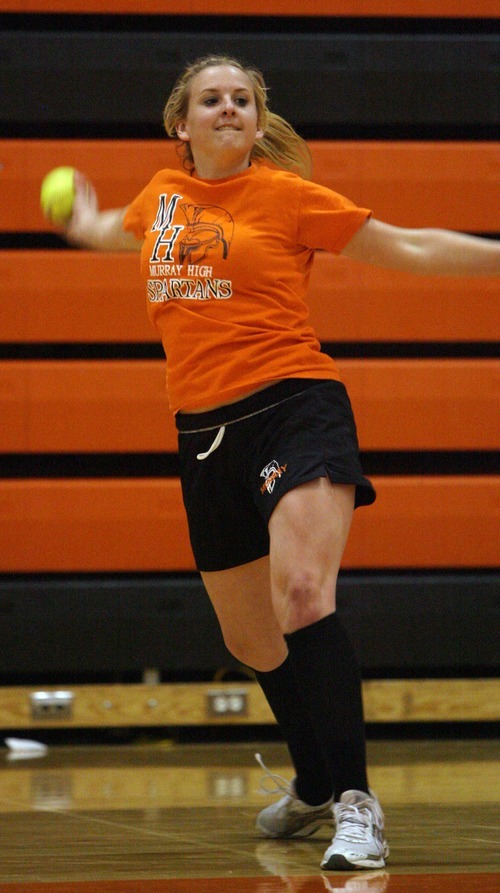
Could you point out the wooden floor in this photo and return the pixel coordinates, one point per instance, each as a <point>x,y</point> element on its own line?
<point>160,817</point>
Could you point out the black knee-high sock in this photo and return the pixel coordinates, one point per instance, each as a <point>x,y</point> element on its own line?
<point>314,783</point>
<point>329,679</point>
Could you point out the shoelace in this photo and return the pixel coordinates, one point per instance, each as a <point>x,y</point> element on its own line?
<point>358,822</point>
<point>281,785</point>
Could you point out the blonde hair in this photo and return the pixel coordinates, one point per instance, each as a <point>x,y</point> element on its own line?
<point>280,145</point>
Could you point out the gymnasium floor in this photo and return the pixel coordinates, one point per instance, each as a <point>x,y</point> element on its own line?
<point>160,817</point>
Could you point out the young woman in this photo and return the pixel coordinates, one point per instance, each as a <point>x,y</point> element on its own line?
<point>269,457</point>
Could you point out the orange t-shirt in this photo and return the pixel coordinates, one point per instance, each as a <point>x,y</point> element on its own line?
<point>227,264</point>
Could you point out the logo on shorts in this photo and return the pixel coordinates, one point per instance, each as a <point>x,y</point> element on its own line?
<point>272,471</point>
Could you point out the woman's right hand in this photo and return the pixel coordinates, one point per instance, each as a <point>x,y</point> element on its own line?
<point>96,230</point>
<point>84,220</point>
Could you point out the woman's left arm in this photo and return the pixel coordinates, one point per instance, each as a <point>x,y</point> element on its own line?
<point>429,252</point>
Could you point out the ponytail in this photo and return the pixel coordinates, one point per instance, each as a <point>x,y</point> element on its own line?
<point>283,147</point>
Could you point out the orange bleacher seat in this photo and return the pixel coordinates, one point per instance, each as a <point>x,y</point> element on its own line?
<point>121,406</point>
<point>80,296</point>
<point>71,296</point>
<point>104,525</point>
<point>416,8</point>
<point>357,302</point>
<point>405,183</point>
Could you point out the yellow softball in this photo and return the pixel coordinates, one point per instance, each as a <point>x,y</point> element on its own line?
<point>57,194</point>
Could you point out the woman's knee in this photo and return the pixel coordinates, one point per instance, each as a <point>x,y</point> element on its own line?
<point>302,598</point>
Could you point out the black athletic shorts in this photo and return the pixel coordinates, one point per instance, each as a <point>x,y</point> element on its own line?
<point>237,462</point>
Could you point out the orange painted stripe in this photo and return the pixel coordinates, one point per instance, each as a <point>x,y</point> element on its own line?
<point>71,296</point>
<point>405,183</point>
<point>121,406</point>
<point>396,883</point>
<point>139,525</point>
<point>409,8</point>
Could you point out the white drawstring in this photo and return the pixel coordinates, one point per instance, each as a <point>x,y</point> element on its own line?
<point>217,442</point>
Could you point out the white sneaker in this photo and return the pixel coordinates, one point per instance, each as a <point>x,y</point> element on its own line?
<point>289,816</point>
<point>359,839</point>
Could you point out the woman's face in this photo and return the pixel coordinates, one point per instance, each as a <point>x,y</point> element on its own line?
<point>221,122</point>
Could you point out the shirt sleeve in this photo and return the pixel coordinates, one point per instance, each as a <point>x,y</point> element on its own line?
<point>327,220</point>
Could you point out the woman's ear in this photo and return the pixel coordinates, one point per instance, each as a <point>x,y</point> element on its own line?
<point>182,131</point>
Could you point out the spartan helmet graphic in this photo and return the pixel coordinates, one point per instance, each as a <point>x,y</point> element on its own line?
<point>271,472</point>
<point>208,229</point>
